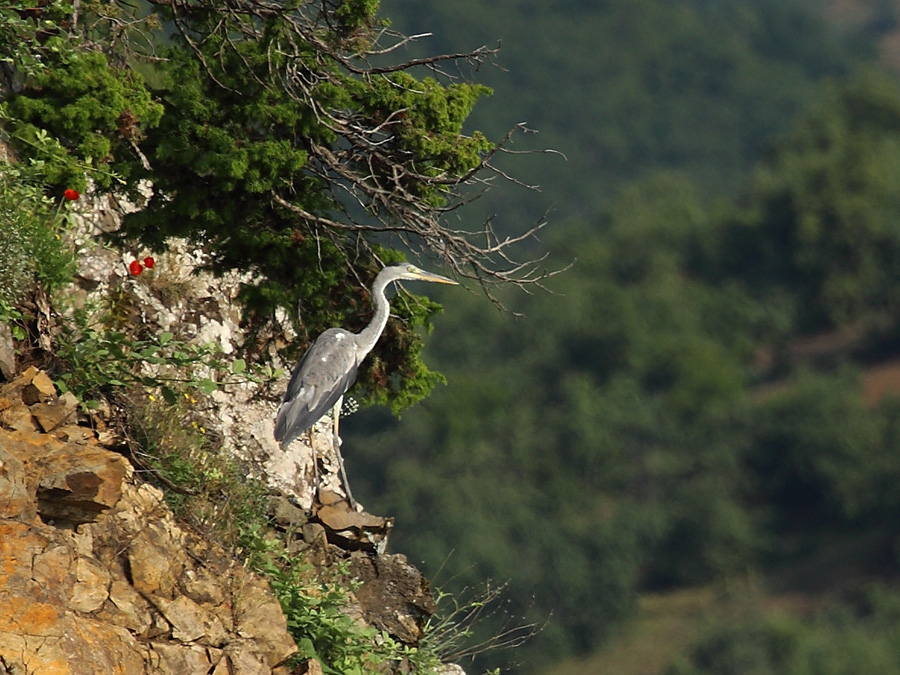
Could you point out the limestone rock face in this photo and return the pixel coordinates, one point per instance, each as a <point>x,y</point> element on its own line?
<point>199,307</point>
<point>95,574</point>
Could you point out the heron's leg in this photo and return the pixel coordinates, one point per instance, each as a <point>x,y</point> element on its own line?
<point>315,459</point>
<point>336,416</point>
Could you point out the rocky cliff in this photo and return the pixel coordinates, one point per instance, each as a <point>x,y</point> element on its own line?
<point>95,574</point>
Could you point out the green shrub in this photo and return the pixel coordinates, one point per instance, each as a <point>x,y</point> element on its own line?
<point>82,116</point>
<point>32,241</point>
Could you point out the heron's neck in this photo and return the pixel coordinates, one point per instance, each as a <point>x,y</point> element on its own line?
<point>369,335</point>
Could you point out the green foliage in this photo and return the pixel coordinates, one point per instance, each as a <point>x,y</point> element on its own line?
<point>93,111</point>
<point>821,221</point>
<point>356,13</point>
<point>822,455</point>
<point>32,241</point>
<point>30,37</point>
<point>315,614</point>
<point>94,359</point>
<point>432,124</point>
<point>840,640</point>
<point>232,146</point>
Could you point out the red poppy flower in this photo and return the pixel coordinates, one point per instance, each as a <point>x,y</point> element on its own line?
<point>149,263</point>
<point>135,267</point>
<point>71,194</point>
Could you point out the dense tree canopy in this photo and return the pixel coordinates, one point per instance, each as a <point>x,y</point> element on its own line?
<point>827,197</point>
<point>696,86</point>
<point>288,142</point>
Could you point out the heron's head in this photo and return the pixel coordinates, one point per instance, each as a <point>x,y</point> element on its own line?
<point>409,272</point>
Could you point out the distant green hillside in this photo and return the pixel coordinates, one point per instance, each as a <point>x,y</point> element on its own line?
<point>626,88</point>
<point>619,439</point>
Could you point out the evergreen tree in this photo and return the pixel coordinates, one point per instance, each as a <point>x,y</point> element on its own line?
<point>279,138</point>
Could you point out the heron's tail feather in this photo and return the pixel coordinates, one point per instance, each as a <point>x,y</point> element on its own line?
<point>294,417</point>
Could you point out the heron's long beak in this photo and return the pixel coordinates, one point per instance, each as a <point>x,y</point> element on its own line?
<point>429,276</point>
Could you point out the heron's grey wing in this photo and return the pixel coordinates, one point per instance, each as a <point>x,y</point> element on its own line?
<point>324,373</point>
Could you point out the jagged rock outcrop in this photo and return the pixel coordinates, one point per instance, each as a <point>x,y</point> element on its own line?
<point>95,574</point>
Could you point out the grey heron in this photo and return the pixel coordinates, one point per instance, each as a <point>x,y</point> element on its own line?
<point>328,368</point>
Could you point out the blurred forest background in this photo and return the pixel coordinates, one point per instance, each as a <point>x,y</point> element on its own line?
<point>686,457</point>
